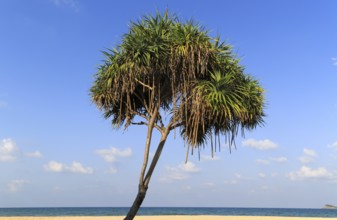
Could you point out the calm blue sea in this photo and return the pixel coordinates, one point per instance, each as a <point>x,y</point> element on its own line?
<point>105,211</point>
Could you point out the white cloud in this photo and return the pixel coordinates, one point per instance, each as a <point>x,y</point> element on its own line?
<point>35,154</point>
<point>238,176</point>
<point>265,188</point>
<point>309,173</point>
<point>308,156</point>
<point>334,61</point>
<point>180,172</point>
<point>272,159</point>
<point>111,155</point>
<point>187,188</point>
<point>309,152</point>
<point>174,175</point>
<point>16,185</point>
<point>334,145</point>
<point>189,167</point>
<point>54,166</point>
<point>209,157</point>
<point>231,182</point>
<point>68,3</point>
<point>306,159</point>
<point>279,159</point>
<point>209,184</point>
<point>75,167</point>
<point>259,144</point>
<point>7,150</point>
<point>263,162</point>
<point>112,170</point>
<point>262,175</point>
<point>235,180</point>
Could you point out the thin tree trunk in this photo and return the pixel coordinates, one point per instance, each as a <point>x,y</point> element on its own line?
<point>143,185</point>
<point>137,203</point>
<point>156,156</point>
<point>147,145</point>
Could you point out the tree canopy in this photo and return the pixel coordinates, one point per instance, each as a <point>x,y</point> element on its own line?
<point>176,67</point>
<point>165,67</point>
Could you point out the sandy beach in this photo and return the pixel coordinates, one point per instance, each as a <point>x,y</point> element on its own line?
<point>178,217</point>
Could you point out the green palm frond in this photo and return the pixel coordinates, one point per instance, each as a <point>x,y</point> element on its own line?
<point>176,66</point>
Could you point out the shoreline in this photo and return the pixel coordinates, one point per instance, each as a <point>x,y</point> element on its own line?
<point>162,217</point>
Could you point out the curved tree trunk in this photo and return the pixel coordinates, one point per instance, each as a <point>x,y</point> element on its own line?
<point>137,203</point>
<point>145,178</point>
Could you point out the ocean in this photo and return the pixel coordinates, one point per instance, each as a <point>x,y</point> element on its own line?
<point>106,211</point>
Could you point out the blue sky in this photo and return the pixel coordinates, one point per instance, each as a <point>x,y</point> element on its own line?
<point>57,150</point>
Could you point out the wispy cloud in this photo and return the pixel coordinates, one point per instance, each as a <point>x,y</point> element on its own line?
<point>235,180</point>
<point>334,61</point>
<point>279,159</point>
<point>173,174</point>
<point>260,144</point>
<point>112,170</point>
<point>35,154</point>
<point>180,172</point>
<point>306,172</point>
<point>272,159</point>
<point>189,167</point>
<point>231,182</point>
<point>333,145</point>
<point>308,156</point>
<point>16,185</point>
<point>262,175</point>
<point>8,150</point>
<point>54,166</point>
<point>73,4</point>
<point>209,157</point>
<point>75,167</point>
<point>263,162</point>
<point>209,184</point>
<point>111,155</point>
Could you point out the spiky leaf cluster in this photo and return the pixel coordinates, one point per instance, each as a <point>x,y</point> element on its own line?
<point>163,64</point>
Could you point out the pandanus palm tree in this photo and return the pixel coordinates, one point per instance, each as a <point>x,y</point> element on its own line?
<point>164,66</point>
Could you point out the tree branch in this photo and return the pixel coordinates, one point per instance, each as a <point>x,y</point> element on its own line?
<point>143,84</point>
<point>148,144</point>
<point>139,114</point>
<point>156,156</point>
<point>178,124</point>
<point>161,121</point>
<point>159,128</point>
<point>141,99</point>
<point>139,123</point>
